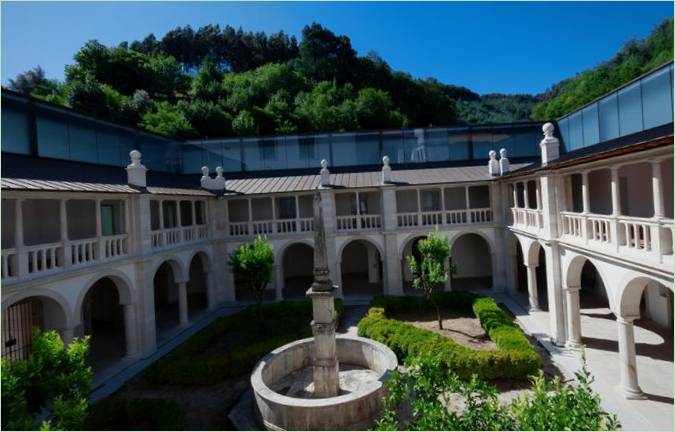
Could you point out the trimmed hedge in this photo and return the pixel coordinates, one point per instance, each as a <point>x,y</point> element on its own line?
<point>231,345</point>
<point>125,413</point>
<point>514,357</point>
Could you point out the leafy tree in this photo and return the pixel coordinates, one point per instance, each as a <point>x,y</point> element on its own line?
<point>168,120</point>
<point>429,389</point>
<point>207,118</point>
<point>55,378</point>
<point>27,81</point>
<point>325,56</point>
<point>254,263</point>
<point>374,110</point>
<point>429,271</point>
<point>633,60</point>
<point>206,83</point>
<point>244,124</point>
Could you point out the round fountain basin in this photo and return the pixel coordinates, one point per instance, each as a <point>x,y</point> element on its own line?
<point>282,385</point>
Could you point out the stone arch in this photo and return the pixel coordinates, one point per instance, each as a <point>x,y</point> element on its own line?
<point>533,250</point>
<point>167,276</point>
<point>297,272</point>
<point>69,320</point>
<point>360,267</point>
<point>373,242</point>
<point>574,270</point>
<point>629,295</point>
<point>205,259</point>
<point>179,272</point>
<point>408,248</point>
<point>101,309</point>
<point>121,280</point>
<point>197,286</point>
<point>472,272</point>
<point>22,314</point>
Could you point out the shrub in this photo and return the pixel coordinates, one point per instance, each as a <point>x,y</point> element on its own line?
<point>430,388</point>
<point>125,413</point>
<point>514,357</point>
<point>254,263</point>
<point>55,380</point>
<point>231,345</point>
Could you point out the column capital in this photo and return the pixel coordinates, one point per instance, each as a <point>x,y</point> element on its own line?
<point>628,319</point>
<point>571,288</point>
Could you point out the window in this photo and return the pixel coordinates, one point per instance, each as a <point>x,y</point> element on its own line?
<point>154,215</point>
<point>657,104</point>
<point>630,109</point>
<point>268,151</point>
<point>608,110</point>
<point>15,138</point>
<point>431,200</point>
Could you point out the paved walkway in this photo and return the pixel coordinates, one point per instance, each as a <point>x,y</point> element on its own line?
<point>599,330</point>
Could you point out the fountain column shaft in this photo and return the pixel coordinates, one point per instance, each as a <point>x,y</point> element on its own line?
<point>325,363</point>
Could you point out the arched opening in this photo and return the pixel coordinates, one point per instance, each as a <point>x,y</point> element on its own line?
<point>298,270</point>
<point>167,308</point>
<point>521,273</point>
<point>470,253</point>
<point>542,287</point>
<point>361,269</point>
<point>103,320</point>
<point>20,319</point>
<point>197,286</point>
<point>411,249</point>
<point>593,294</point>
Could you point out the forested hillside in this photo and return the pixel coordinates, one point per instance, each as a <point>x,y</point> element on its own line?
<point>634,59</point>
<point>214,82</point>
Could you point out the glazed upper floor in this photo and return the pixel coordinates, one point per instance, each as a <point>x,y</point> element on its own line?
<point>36,128</point>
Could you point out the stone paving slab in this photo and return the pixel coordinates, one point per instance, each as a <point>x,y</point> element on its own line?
<point>633,414</point>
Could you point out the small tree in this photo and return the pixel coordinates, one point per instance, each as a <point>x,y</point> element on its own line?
<point>54,379</point>
<point>254,263</point>
<point>430,272</point>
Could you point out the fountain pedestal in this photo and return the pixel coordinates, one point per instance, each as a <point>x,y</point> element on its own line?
<point>325,367</point>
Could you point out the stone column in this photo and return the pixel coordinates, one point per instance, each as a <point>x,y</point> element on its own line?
<point>373,265</point>
<point>183,303</point>
<point>447,286</point>
<point>573,318</point>
<point>628,365</point>
<point>67,335</point>
<point>279,281</point>
<point>21,255</point>
<point>325,370</point>
<point>130,331</point>
<point>515,195</point>
<point>526,196</point>
<point>616,207</point>
<point>585,197</point>
<point>556,301</point>
<point>657,188</point>
<point>63,219</point>
<point>532,287</point>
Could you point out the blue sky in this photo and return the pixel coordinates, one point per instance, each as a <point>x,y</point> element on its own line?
<point>488,47</point>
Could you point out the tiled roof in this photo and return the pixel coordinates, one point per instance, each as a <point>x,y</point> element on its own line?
<point>177,191</point>
<point>351,180</point>
<point>63,186</point>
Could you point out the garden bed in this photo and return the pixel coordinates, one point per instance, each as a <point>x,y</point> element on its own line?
<point>513,357</point>
<point>205,376</point>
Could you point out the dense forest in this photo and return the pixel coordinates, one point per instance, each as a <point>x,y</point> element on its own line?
<point>634,59</point>
<point>214,82</point>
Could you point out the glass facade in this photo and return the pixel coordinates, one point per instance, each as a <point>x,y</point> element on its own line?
<point>643,104</point>
<point>30,127</point>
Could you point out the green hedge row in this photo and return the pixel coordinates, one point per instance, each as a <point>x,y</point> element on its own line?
<point>231,345</point>
<point>514,357</point>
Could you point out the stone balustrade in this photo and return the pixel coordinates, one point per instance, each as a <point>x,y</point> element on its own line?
<point>444,218</point>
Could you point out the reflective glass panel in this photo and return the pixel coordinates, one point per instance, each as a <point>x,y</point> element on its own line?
<point>630,109</point>
<point>576,131</point>
<point>82,143</point>
<point>590,119</point>
<point>15,137</point>
<point>608,112</point>
<point>52,138</point>
<point>656,102</point>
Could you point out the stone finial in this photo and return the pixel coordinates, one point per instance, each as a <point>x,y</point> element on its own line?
<point>504,166</point>
<point>550,145</point>
<point>325,174</point>
<point>215,184</point>
<point>493,164</point>
<point>386,170</point>
<point>136,170</point>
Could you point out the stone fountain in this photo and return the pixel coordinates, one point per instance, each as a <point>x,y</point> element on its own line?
<point>323,382</point>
